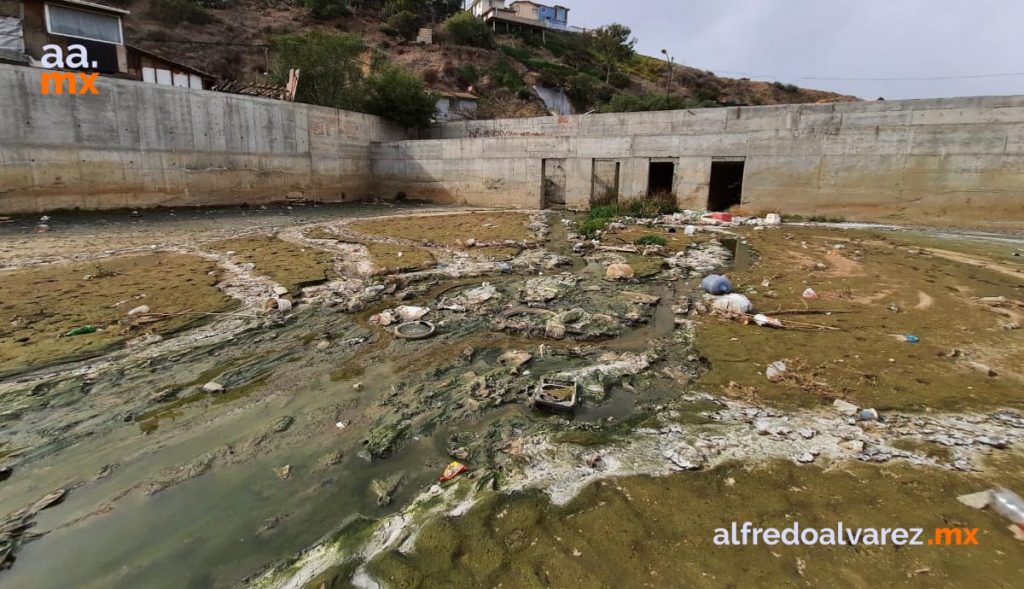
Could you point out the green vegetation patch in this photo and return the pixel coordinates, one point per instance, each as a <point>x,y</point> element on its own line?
<point>39,305</point>
<point>288,264</point>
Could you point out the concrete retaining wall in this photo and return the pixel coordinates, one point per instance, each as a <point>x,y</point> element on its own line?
<point>946,161</point>
<point>142,145</point>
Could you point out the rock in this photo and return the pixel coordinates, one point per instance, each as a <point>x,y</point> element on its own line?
<point>460,453</point>
<point>845,408</point>
<point>384,488</point>
<point>48,501</point>
<point>284,472</point>
<point>554,330</point>
<point>470,242</point>
<point>330,459</point>
<point>280,291</point>
<point>281,424</point>
<point>855,446</point>
<point>140,310</point>
<point>868,415</point>
<point>5,473</point>
<point>776,371</point>
<point>620,272</point>
<point>515,358</point>
<point>807,433</point>
<point>1012,326</point>
<point>685,458</point>
<point>357,387</point>
<point>213,387</point>
<point>323,345</point>
<point>983,368</point>
<point>979,500</point>
<point>592,460</point>
<point>997,443</point>
<point>805,458</point>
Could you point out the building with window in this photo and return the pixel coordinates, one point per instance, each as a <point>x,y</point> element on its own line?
<point>523,15</point>
<point>27,26</point>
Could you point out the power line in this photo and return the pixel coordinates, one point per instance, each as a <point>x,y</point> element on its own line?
<point>914,78</point>
<point>892,79</point>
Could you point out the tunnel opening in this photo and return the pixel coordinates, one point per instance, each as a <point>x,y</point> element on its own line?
<point>661,177</point>
<point>726,188</point>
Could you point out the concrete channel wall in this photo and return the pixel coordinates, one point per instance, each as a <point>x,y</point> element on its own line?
<point>944,161</point>
<point>143,145</point>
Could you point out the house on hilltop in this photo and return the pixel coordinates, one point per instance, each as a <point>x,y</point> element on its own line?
<point>523,14</point>
<point>27,26</point>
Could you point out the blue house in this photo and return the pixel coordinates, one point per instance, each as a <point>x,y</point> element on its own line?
<point>554,17</point>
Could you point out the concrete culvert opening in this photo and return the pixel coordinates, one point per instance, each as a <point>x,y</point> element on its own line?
<point>726,188</point>
<point>660,178</point>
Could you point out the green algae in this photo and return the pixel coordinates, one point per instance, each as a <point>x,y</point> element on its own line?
<point>38,305</point>
<point>645,531</point>
<point>291,265</point>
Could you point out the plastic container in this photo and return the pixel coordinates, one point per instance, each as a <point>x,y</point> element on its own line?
<point>714,284</point>
<point>1009,505</point>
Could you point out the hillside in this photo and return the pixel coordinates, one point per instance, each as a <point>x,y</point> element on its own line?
<point>233,43</point>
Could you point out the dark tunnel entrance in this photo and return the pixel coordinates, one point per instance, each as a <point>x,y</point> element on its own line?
<point>726,188</point>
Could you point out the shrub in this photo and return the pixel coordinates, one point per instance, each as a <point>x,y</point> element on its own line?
<point>606,211</point>
<point>517,53</point>
<point>327,9</point>
<point>650,240</point>
<point>331,72</point>
<point>651,205</point>
<point>396,93</point>
<point>389,30</point>
<point>504,75</point>
<point>622,102</point>
<point>406,23</point>
<point>790,88</point>
<point>590,227</point>
<point>620,80</point>
<point>465,29</point>
<point>175,12</point>
<point>467,75</point>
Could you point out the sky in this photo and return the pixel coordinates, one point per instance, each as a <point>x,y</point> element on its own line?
<point>796,41</point>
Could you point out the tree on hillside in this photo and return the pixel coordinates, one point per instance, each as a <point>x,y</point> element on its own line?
<point>327,9</point>
<point>612,45</point>
<point>331,73</point>
<point>466,29</point>
<point>396,93</point>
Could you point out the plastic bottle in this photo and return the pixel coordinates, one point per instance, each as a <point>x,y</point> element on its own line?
<point>716,285</point>
<point>1009,505</point>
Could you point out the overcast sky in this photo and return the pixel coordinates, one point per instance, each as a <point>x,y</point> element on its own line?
<point>795,40</point>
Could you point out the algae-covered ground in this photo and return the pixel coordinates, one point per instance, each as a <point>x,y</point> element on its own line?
<point>289,264</point>
<point>39,305</point>
<point>244,448</point>
<point>659,532</point>
<point>872,290</point>
<point>450,229</point>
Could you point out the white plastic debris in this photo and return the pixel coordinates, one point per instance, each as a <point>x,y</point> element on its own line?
<point>733,303</point>
<point>213,387</point>
<point>283,305</point>
<point>776,371</point>
<point>408,313</point>
<point>766,321</point>
<point>140,310</point>
<point>810,294</point>
<point>280,290</point>
<point>773,219</point>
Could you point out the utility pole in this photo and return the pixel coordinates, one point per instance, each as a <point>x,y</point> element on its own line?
<point>671,72</point>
